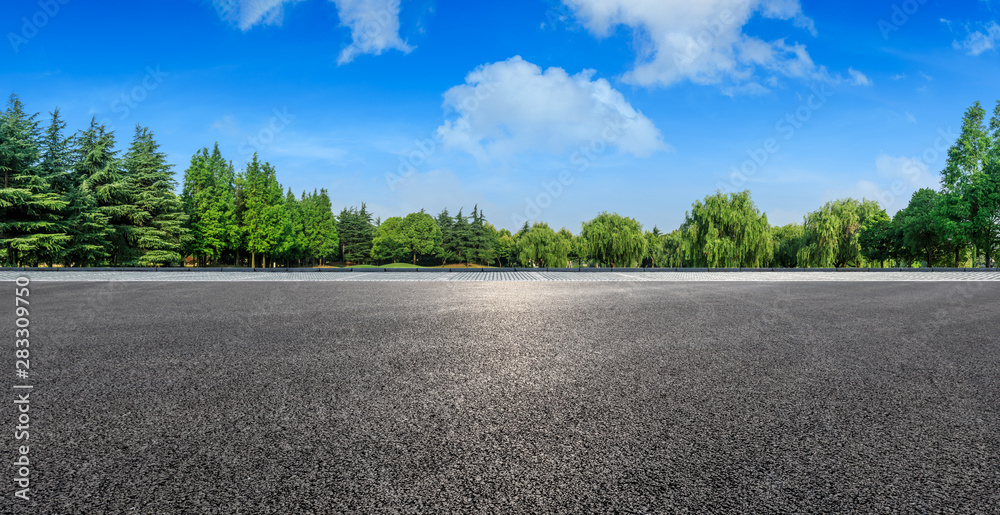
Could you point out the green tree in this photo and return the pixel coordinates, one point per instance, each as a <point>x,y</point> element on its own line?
<point>30,209</point>
<point>540,246</point>
<point>421,234</point>
<point>356,233</point>
<point>209,197</point>
<point>264,218</point>
<point>294,246</point>
<point>102,175</point>
<point>504,246</point>
<point>160,225</point>
<point>727,231</point>
<point>968,210</point>
<point>572,245</point>
<point>787,240</point>
<point>446,252</point>
<point>611,239</point>
<point>877,239</point>
<point>389,242</point>
<point>461,234</point>
<point>918,223</point>
<point>86,227</point>
<point>830,234</point>
<point>322,238</point>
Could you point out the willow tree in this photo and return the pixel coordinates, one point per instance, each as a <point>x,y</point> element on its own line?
<point>615,240</point>
<point>830,235</point>
<point>727,231</point>
<point>786,240</point>
<point>541,246</point>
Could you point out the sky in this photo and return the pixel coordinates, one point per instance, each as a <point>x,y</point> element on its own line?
<point>534,110</point>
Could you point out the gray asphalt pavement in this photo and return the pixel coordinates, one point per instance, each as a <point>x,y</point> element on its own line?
<point>510,397</point>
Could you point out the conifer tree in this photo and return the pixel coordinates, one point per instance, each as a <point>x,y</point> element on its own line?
<point>160,230</point>
<point>264,216</point>
<point>100,173</point>
<point>209,199</point>
<point>86,227</point>
<point>30,209</point>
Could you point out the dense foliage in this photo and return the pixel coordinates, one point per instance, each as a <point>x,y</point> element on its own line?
<point>76,200</point>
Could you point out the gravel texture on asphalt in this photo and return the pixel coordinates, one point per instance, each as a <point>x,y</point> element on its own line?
<point>511,397</point>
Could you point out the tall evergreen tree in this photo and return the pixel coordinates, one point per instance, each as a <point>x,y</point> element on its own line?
<point>461,238</point>
<point>160,231</point>
<point>30,209</point>
<point>86,227</point>
<point>100,173</point>
<point>264,217</point>
<point>321,235</point>
<point>356,232</point>
<point>294,246</point>
<point>209,197</point>
<point>446,252</point>
<point>968,210</point>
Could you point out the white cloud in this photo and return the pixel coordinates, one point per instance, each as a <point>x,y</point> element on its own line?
<point>374,24</point>
<point>898,76</point>
<point>512,106</point>
<point>900,176</point>
<point>858,78</point>
<point>980,41</point>
<point>909,117</point>
<point>246,14</point>
<point>703,41</point>
<point>374,27</point>
<point>910,170</point>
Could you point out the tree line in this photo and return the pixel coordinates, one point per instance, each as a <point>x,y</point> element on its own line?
<point>78,201</point>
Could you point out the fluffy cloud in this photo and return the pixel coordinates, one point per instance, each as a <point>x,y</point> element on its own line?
<point>374,27</point>
<point>858,78</point>
<point>374,24</point>
<point>981,40</point>
<point>703,41</point>
<point>512,106</point>
<point>912,171</point>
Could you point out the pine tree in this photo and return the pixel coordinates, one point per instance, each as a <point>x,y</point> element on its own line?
<point>30,209</point>
<point>100,173</point>
<point>160,231</point>
<point>86,227</point>
<point>356,234</point>
<point>461,238</point>
<point>446,251</point>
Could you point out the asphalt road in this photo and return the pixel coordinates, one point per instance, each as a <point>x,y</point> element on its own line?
<point>510,397</point>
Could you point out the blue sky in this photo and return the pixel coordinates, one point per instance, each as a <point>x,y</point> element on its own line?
<point>547,110</point>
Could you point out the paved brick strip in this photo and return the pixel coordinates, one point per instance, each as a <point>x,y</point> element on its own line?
<point>821,276</point>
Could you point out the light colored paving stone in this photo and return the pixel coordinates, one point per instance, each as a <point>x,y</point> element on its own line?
<point>505,276</point>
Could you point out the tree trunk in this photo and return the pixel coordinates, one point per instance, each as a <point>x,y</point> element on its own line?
<point>253,260</point>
